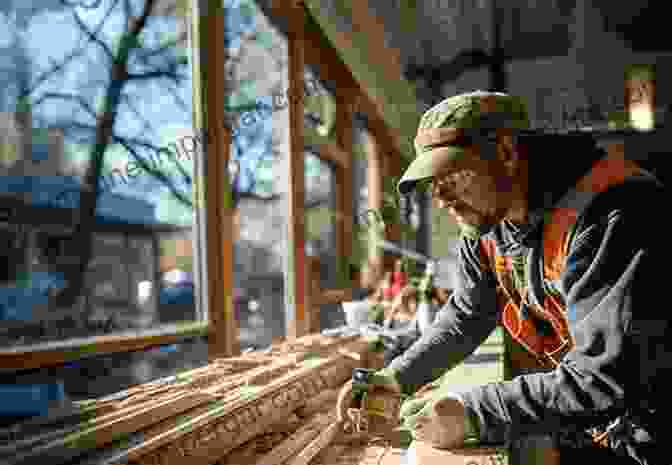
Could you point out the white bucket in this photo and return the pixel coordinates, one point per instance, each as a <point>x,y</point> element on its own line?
<point>356,313</point>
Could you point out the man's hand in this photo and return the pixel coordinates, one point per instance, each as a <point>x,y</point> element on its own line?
<point>441,422</point>
<point>422,397</point>
<point>383,380</point>
<point>399,306</point>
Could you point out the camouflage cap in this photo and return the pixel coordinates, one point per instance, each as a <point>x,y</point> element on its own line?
<point>472,116</point>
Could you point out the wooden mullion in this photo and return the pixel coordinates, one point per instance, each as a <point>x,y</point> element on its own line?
<point>344,184</point>
<point>296,278</point>
<point>223,340</point>
<point>375,175</point>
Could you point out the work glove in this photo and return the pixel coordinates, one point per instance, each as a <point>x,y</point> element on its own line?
<point>440,419</point>
<point>382,380</point>
<point>414,405</point>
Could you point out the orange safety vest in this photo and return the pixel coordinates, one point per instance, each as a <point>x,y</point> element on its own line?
<point>527,328</point>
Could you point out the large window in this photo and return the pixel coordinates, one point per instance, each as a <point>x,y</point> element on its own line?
<point>256,69</point>
<point>97,158</point>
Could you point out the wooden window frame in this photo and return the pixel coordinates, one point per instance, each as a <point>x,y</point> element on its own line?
<point>214,226</point>
<point>212,274</point>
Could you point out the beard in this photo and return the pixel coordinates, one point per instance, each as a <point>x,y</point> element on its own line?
<point>475,232</point>
<point>473,225</point>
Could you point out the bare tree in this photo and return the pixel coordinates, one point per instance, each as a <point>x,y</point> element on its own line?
<point>81,243</point>
<point>122,65</point>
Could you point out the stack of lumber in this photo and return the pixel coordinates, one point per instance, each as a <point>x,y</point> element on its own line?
<point>274,407</point>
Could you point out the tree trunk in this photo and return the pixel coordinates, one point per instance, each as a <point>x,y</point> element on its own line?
<point>81,243</point>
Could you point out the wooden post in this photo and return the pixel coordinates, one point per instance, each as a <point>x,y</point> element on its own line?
<point>312,295</point>
<point>223,336</point>
<point>375,203</point>
<point>156,277</point>
<point>295,277</point>
<point>344,185</point>
<point>392,167</point>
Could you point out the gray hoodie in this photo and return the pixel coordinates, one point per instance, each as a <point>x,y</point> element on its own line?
<point>614,286</point>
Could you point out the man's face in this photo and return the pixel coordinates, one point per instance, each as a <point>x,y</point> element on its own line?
<point>476,192</point>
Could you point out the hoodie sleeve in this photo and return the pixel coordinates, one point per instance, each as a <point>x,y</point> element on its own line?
<point>611,284</point>
<point>462,324</point>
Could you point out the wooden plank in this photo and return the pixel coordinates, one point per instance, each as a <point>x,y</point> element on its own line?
<point>53,354</point>
<point>318,444</point>
<point>344,185</point>
<point>149,407</point>
<point>217,190</point>
<point>295,443</point>
<point>147,411</point>
<point>295,276</point>
<point>210,436</point>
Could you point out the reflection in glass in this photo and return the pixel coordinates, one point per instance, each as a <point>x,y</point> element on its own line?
<point>97,156</point>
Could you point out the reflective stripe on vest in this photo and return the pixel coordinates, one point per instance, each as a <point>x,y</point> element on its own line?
<point>543,329</point>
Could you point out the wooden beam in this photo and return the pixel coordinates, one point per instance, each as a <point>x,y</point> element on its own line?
<point>375,173</point>
<point>207,437</point>
<point>321,54</point>
<point>312,295</point>
<point>54,354</point>
<point>327,149</point>
<point>375,65</point>
<point>393,169</point>
<point>344,185</point>
<point>223,339</point>
<point>224,396</point>
<point>295,277</point>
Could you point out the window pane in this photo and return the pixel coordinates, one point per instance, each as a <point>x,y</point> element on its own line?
<point>96,171</point>
<point>257,108</point>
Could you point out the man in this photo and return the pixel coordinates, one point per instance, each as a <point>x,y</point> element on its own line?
<point>558,246</point>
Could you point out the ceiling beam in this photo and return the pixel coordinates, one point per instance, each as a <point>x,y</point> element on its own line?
<point>375,66</point>
<point>326,148</point>
<point>333,71</point>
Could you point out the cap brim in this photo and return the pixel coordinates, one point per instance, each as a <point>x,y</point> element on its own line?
<point>426,166</point>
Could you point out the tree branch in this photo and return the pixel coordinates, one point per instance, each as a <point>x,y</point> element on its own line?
<point>178,100</point>
<point>77,52</point>
<point>161,177</point>
<point>68,97</point>
<point>145,124</point>
<point>170,73</point>
<point>92,5</point>
<point>142,21</point>
<point>93,37</point>
<point>163,48</point>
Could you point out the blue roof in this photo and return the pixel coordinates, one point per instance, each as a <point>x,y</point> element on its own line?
<point>63,191</point>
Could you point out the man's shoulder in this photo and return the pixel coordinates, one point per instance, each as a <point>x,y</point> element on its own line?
<point>639,198</point>
<point>637,205</point>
